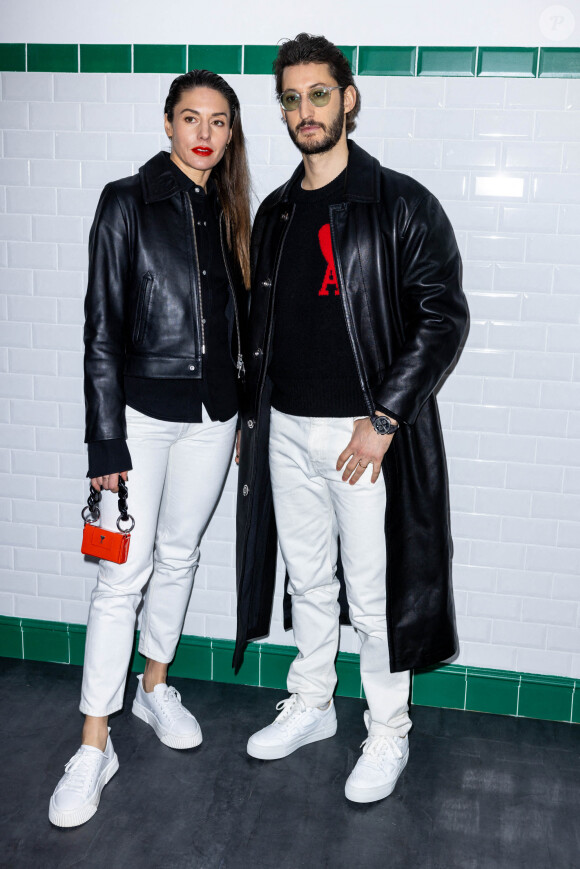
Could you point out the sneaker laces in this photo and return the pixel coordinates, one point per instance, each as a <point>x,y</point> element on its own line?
<point>80,771</point>
<point>378,747</point>
<point>172,705</point>
<point>290,710</point>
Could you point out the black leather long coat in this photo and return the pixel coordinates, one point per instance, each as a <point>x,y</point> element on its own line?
<point>143,308</point>
<point>399,273</point>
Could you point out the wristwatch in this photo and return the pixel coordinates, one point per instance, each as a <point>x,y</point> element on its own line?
<point>383,425</point>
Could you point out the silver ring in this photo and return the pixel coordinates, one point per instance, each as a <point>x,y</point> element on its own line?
<point>94,514</point>
<point>128,519</point>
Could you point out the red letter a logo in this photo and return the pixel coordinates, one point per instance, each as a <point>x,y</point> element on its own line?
<point>326,248</point>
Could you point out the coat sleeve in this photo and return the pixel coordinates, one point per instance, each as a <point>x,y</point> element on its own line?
<point>108,457</point>
<point>434,311</point>
<point>109,258</point>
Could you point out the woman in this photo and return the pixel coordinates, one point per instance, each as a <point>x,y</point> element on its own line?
<point>168,260</point>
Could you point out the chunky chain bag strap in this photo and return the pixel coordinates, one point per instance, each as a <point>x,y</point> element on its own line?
<point>97,541</point>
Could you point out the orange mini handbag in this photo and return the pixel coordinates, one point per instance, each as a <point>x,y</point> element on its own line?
<point>99,542</point>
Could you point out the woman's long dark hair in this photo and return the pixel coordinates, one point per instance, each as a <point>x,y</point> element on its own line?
<point>231,173</point>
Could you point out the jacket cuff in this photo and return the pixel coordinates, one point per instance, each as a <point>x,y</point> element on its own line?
<point>390,413</point>
<point>108,457</point>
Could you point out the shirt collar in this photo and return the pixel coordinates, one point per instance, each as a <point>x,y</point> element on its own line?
<point>185,183</point>
<point>161,178</point>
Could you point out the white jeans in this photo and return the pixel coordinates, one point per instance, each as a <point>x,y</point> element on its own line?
<point>314,507</point>
<point>178,473</point>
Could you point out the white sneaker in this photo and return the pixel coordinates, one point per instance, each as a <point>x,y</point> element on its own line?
<point>162,709</point>
<point>383,760</point>
<point>76,797</point>
<point>296,725</point>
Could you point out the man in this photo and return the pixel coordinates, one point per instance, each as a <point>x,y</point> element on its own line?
<point>357,312</point>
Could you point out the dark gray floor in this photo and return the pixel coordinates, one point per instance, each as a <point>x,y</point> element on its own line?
<point>479,792</point>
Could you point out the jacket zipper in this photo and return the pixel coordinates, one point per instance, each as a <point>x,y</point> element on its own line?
<point>270,330</point>
<point>199,299</point>
<point>240,359</point>
<point>263,374</point>
<point>349,327</point>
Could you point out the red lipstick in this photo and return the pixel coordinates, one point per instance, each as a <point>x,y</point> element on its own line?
<point>202,152</point>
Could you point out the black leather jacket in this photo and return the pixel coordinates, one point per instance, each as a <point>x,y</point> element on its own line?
<point>143,309</point>
<point>399,273</point>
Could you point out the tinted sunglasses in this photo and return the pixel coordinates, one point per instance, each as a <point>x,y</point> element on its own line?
<point>318,96</point>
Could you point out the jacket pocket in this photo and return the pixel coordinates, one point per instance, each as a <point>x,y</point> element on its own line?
<point>143,305</point>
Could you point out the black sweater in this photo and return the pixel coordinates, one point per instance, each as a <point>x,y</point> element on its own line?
<point>312,365</point>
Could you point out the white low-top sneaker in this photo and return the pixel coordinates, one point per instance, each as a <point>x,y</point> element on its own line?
<point>296,725</point>
<point>76,797</point>
<point>375,775</point>
<point>162,709</point>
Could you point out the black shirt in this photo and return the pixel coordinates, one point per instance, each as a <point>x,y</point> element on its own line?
<point>312,367</point>
<point>180,400</point>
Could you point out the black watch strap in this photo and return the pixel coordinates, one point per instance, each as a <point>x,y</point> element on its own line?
<point>383,425</point>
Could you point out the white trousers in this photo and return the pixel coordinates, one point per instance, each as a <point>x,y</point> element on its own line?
<point>314,507</point>
<point>179,470</point>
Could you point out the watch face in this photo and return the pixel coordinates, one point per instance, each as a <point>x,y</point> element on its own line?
<point>382,425</point>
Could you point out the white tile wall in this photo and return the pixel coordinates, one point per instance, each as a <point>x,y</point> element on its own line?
<point>503,155</point>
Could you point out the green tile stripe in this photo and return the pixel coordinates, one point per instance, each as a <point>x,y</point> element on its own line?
<point>394,60</point>
<point>449,686</point>
<point>446,61</point>
<point>385,60</point>
<point>43,641</point>
<point>508,62</point>
<point>11,637</point>
<point>159,58</point>
<point>41,57</point>
<point>440,686</point>
<point>559,63</point>
<point>545,695</point>
<point>13,56</point>
<point>217,58</point>
<point>258,59</point>
<point>351,54</point>
<point>106,58</point>
<point>503,692</point>
<point>497,693</point>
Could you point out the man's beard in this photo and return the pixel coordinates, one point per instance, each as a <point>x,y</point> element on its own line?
<point>333,133</point>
